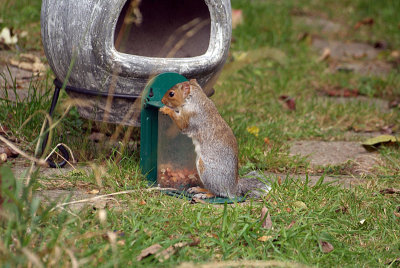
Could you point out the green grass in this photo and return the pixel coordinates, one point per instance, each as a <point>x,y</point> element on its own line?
<point>360,222</point>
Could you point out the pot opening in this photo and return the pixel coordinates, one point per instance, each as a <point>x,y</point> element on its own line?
<point>163,29</point>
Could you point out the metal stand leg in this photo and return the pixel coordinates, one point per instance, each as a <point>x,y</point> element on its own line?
<point>64,152</point>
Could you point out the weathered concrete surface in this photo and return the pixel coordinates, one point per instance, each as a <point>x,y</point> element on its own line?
<point>318,24</point>
<point>322,153</point>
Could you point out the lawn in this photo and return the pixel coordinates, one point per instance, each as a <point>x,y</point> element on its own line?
<point>273,57</point>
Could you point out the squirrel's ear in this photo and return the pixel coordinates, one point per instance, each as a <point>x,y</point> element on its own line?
<point>186,89</point>
<point>193,82</point>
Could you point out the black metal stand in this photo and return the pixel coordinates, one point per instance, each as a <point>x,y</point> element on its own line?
<point>58,85</point>
<point>64,152</point>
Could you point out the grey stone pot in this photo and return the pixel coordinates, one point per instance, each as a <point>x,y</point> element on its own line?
<point>113,56</point>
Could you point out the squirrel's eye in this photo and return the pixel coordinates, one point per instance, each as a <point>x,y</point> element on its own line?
<point>171,94</point>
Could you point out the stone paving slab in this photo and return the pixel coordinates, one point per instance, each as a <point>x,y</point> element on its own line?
<point>323,153</point>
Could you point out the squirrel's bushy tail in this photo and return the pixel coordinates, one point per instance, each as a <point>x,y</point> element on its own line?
<point>254,184</point>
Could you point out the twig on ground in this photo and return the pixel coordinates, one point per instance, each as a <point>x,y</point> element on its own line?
<point>40,162</point>
<point>112,194</point>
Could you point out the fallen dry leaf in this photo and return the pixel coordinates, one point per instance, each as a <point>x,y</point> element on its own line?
<point>373,143</point>
<point>237,17</point>
<point>264,238</point>
<point>393,262</point>
<point>149,251</point>
<point>8,151</point>
<point>267,141</point>
<point>395,54</point>
<point>390,191</point>
<point>29,62</point>
<point>165,254</point>
<point>396,212</point>
<point>3,130</point>
<point>325,54</point>
<point>290,224</point>
<point>387,129</point>
<point>342,209</point>
<point>365,21</point>
<point>299,205</point>
<point>338,91</point>
<point>168,252</point>
<point>96,136</point>
<point>3,158</point>
<point>142,202</point>
<point>195,241</point>
<point>7,37</point>
<point>289,101</point>
<point>266,218</point>
<point>326,246</point>
<point>94,191</point>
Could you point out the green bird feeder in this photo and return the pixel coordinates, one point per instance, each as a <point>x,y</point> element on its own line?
<point>167,156</point>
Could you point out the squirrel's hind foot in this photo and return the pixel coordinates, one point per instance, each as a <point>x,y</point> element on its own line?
<point>200,193</point>
<point>204,196</point>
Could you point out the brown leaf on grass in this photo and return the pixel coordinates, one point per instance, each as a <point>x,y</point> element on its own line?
<point>94,191</point>
<point>290,224</point>
<point>267,141</point>
<point>264,238</point>
<point>365,21</point>
<point>387,129</point>
<point>195,241</point>
<point>165,254</point>
<point>395,54</point>
<point>149,251</point>
<point>289,102</point>
<point>266,218</point>
<point>299,205</point>
<point>393,262</point>
<point>3,158</point>
<point>394,104</point>
<point>390,191</point>
<point>325,54</point>
<point>97,136</point>
<point>326,246</point>
<point>168,252</point>
<point>396,212</point>
<point>8,151</point>
<point>3,130</point>
<point>338,91</point>
<point>342,209</point>
<point>381,45</point>
<point>237,17</point>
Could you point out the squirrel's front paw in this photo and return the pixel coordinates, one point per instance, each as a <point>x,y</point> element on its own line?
<point>165,110</point>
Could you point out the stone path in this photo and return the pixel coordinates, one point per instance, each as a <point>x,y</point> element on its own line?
<point>343,55</point>
<point>334,153</point>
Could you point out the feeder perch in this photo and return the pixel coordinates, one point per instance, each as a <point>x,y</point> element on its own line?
<point>167,157</point>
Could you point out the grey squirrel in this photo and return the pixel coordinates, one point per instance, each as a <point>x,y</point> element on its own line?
<point>215,144</point>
